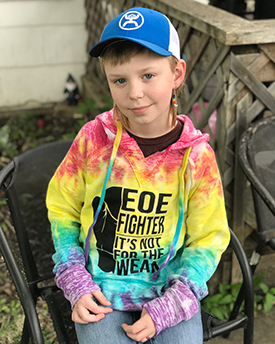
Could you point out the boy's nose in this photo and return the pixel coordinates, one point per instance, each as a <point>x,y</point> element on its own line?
<point>135,91</point>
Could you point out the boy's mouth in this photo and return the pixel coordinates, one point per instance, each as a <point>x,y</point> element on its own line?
<point>140,110</point>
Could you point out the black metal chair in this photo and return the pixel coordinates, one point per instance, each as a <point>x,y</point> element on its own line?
<point>256,154</point>
<point>24,181</point>
<point>257,159</point>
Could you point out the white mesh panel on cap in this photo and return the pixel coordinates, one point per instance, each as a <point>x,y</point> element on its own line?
<point>174,45</point>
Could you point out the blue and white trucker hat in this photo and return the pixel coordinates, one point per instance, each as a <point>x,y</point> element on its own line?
<point>144,26</point>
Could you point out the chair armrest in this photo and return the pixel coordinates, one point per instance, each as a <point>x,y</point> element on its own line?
<point>23,291</point>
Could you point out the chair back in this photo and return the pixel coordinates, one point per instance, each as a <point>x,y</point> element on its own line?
<point>26,193</point>
<point>257,157</point>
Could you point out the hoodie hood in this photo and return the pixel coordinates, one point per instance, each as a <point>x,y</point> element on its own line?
<point>190,136</point>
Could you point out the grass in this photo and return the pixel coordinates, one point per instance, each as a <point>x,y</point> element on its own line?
<point>11,311</point>
<point>12,320</point>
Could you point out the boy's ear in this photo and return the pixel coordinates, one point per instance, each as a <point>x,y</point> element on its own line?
<point>180,73</point>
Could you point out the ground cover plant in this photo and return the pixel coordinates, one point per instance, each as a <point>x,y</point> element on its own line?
<point>221,304</point>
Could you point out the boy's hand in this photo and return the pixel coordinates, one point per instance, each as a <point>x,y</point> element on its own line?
<point>81,311</point>
<point>142,328</point>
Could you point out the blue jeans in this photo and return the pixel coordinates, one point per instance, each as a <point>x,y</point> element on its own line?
<point>109,331</point>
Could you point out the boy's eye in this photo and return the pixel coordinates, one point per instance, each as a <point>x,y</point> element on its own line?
<point>148,76</point>
<point>120,81</point>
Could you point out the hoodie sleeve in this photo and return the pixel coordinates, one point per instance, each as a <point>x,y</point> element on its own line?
<point>64,201</point>
<point>208,237</point>
<point>177,304</point>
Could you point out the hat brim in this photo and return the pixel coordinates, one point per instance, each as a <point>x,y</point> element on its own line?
<point>97,50</point>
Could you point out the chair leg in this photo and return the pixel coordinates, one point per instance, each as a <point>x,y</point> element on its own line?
<point>238,303</point>
<point>248,330</point>
<point>236,308</point>
<point>25,338</point>
<point>246,292</point>
<point>240,299</point>
<point>249,333</point>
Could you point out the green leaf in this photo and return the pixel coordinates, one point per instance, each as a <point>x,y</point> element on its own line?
<point>6,309</point>
<point>258,298</point>
<point>235,290</point>
<point>223,288</point>
<point>215,298</point>
<point>82,108</point>
<point>260,307</point>
<point>90,102</point>
<point>268,302</point>
<point>272,291</point>
<point>264,287</point>
<point>217,312</point>
<point>225,311</point>
<point>205,304</point>
<point>257,280</point>
<point>226,299</point>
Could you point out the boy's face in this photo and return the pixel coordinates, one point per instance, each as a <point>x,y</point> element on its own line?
<point>142,89</point>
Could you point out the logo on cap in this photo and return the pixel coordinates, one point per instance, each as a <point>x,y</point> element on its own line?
<point>131,20</point>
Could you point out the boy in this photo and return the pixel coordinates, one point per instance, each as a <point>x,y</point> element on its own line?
<point>137,207</point>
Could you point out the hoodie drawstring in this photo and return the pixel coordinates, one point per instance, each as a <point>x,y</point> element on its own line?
<point>181,214</point>
<point>103,192</point>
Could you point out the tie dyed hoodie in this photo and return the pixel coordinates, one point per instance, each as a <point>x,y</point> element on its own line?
<point>154,228</point>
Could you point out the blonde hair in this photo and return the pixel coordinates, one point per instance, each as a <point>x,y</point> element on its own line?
<point>122,51</point>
